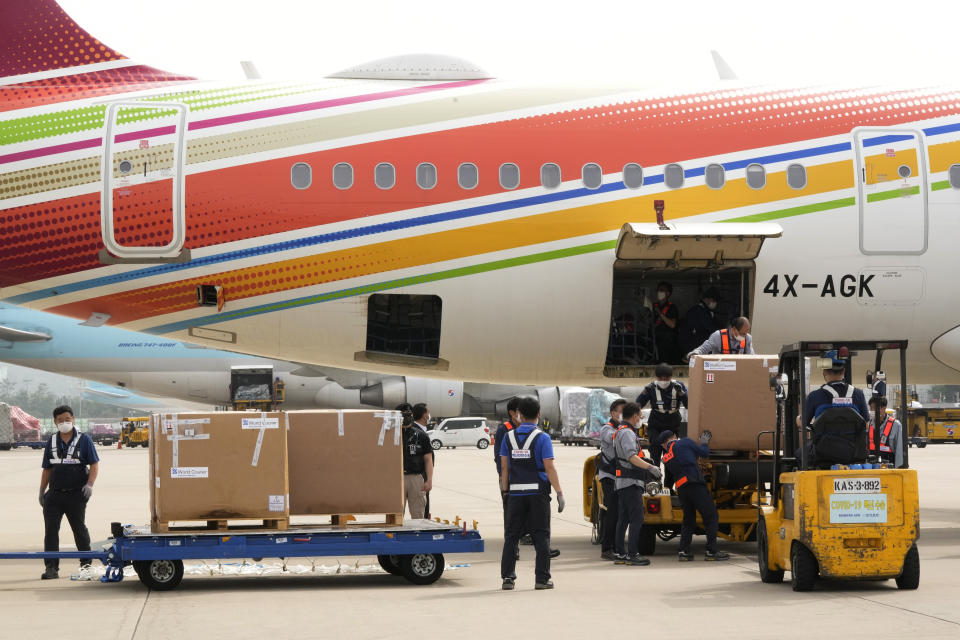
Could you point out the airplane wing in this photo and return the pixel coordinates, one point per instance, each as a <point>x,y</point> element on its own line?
<point>9,334</point>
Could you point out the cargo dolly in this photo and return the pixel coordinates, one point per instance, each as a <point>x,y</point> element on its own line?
<point>413,550</point>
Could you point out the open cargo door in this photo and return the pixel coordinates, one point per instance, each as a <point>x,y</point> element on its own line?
<point>690,260</point>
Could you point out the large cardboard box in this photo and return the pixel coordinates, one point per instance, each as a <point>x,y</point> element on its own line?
<point>730,396</point>
<point>345,462</point>
<point>218,466</point>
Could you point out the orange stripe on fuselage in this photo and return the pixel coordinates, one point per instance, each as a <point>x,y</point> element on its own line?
<point>442,246</point>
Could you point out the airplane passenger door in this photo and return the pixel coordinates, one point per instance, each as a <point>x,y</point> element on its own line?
<point>142,213</point>
<point>891,166</point>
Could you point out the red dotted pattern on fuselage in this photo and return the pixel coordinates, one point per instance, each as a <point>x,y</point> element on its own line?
<point>37,35</point>
<point>84,85</point>
<point>254,200</point>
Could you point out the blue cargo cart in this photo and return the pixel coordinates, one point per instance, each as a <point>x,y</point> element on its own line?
<point>413,550</point>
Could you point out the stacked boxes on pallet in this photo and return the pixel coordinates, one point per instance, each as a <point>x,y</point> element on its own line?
<point>232,466</point>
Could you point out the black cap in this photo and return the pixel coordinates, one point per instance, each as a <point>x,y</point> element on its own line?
<point>666,435</point>
<point>711,293</point>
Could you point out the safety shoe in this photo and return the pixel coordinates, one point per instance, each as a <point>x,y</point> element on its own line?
<point>684,556</point>
<point>716,555</point>
<point>50,574</point>
<point>554,553</point>
<point>619,558</point>
<point>637,560</point>
<point>540,586</point>
<point>608,555</point>
<point>508,584</point>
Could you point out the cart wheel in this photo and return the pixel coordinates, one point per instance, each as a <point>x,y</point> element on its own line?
<point>160,575</point>
<point>483,443</point>
<point>648,540</point>
<point>422,568</point>
<point>767,575</point>
<point>922,445</point>
<point>390,564</point>
<point>909,578</point>
<point>803,568</point>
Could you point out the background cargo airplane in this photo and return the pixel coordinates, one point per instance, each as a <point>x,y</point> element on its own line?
<point>414,214</point>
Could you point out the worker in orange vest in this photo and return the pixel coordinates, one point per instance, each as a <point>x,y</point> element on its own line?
<point>735,339</point>
<point>887,441</point>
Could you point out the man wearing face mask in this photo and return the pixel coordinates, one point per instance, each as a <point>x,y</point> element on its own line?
<point>70,467</point>
<point>666,333</point>
<point>665,396</point>
<point>736,339</point>
<point>702,319</point>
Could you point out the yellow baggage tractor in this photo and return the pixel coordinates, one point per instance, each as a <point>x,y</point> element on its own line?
<point>833,510</point>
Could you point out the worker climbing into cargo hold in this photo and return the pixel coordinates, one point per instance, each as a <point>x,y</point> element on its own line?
<point>607,470</point>
<point>835,392</point>
<point>889,445</point>
<point>528,473</point>
<point>683,472</point>
<point>735,339</point>
<point>632,473</point>
<point>665,396</point>
<point>70,468</point>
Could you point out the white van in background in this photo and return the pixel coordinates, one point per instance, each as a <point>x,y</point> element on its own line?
<point>461,432</point>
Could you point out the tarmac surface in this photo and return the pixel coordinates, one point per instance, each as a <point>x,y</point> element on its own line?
<point>698,599</point>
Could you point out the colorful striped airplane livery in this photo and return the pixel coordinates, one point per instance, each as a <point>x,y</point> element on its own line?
<point>413,215</point>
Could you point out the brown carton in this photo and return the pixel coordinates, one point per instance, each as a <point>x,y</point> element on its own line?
<point>730,396</point>
<point>345,462</point>
<point>218,466</point>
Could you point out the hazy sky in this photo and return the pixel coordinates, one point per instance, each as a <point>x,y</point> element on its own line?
<point>645,42</point>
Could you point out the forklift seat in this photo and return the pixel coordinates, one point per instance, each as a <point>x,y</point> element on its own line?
<point>839,437</point>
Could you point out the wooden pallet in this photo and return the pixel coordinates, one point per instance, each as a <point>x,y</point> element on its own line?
<point>348,520</point>
<point>241,524</point>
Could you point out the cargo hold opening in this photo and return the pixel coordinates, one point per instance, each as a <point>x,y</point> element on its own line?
<point>692,258</point>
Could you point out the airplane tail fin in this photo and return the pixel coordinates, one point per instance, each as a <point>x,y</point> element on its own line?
<point>723,69</point>
<point>47,57</point>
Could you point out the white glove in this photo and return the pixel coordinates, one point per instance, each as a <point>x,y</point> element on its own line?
<point>705,437</point>
<point>87,491</point>
<point>561,503</point>
<point>656,472</point>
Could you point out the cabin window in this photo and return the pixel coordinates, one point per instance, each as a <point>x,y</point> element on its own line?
<point>955,176</point>
<point>550,176</point>
<point>426,175</point>
<point>632,176</point>
<point>673,176</point>
<point>301,175</point>
<point>592,175</point>
<point>715,176</point>
<point>384,175</point>
<point>797,176</point>
<point>343,175</point>
<point>756,176</point>
<point>509,175</point>
<point>468,176</point>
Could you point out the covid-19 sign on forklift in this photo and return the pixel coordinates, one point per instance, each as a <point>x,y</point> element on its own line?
<point>833,509</point>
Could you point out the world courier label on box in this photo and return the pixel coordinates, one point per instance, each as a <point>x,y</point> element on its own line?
<point>730,396</point>
<point>218,466</point>
<point>345,462</point>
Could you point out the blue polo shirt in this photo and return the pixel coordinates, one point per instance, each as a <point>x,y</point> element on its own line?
<point>542,450</point>
<point>86,451</point>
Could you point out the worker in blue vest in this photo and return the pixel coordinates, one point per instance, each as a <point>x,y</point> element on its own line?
<point>70,467</point>
<point>665,396</point>
<point>683,472</point>
<point>527,474</point>
<point>835,392</point>
<point>607,472</point>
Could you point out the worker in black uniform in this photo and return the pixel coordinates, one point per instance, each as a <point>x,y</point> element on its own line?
<point>417,464</point>
<point>70,468</point>
<point>666,330</point>
<point>528,473</point>
<point>683,472</point>
<point>421,420</point>
<point>632,475</point>
<point>607,471</point>
<point>665,396</point>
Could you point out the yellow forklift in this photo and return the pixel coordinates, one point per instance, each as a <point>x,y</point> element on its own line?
<point>135,431</point>
<point>833,510</point>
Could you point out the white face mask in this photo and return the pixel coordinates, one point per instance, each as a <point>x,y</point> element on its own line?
<point>711,305</point>
<point>65,427</point>
<point>663,384</point>
<point>661,295</point>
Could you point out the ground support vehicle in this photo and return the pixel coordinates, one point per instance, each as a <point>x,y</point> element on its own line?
<point>254,388</point>
<point>414,550</point>
<point>135,432</point>
<point>934,425</point>
<point>830,517</point>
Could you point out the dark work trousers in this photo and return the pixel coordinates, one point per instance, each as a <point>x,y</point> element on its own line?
<point>694,498</point>
<point>631,515</point>
<point>656,451</point>
<point>609,515</point>
<point>527,514</point>
<point>57,504</point>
